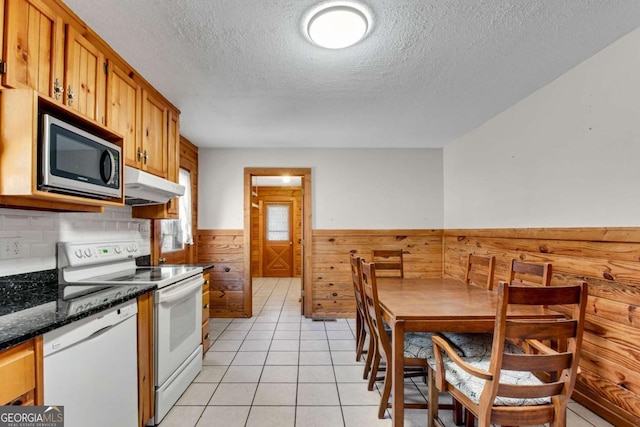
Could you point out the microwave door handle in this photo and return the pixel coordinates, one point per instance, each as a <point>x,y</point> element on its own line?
<point>186,289</point>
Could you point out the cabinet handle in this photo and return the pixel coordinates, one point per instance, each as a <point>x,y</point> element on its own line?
<point>139,153</point>
<point>205,306</point>
<point>206,282</point>
<point>162,260</point>
<point>58,89</point>
<point>145,157</point>
<point>206,337</point>
<point>70,96</point>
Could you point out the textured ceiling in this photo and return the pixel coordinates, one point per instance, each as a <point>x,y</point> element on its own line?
<point>244,75</point>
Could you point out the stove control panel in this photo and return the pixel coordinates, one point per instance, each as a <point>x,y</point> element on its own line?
<point>78,254</point>
<point>84,303</point>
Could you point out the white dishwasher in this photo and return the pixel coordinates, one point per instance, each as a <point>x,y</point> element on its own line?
<point>90,368</point>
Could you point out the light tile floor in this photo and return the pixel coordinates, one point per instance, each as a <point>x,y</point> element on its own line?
<point>280,369</point>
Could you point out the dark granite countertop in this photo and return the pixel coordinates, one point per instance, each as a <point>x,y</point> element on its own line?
<point>31,305</point>
<point>146,261</point>
<point>203,265</point>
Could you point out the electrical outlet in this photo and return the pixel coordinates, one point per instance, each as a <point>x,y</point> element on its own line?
<point>11,248</point>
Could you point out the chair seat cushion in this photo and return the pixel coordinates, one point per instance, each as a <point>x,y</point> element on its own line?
<point>476,345</point>
<point>472,386</point>
<point>418,345</point>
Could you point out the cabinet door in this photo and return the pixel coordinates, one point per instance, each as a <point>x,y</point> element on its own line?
<point>174,159</point>
<point>21,373</point>
<point>33,48</point>
<point>154,135</point>
<point>123,113</point>
<point>85,76</point>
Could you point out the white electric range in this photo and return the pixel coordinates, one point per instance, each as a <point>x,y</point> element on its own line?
<point>177,307</point>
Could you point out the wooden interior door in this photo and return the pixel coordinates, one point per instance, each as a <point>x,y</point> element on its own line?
<point>277,239</point>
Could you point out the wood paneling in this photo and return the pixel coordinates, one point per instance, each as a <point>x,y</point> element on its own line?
<point>332,289</point>
<point>225,250</point>
<point>607,258</point>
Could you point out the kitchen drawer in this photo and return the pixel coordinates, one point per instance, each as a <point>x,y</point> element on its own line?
<point>205,306</point>
<point>18,373</point>
<point>206,338</point>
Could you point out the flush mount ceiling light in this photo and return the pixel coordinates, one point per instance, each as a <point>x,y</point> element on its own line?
<point>337,25</point>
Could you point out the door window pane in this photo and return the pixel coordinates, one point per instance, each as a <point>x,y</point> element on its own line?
<point>277,222</point>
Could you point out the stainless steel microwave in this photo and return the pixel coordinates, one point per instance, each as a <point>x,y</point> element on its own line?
<point>76,162</point>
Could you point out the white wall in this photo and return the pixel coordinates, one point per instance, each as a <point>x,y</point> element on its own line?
<point>352,188</point>
<point>566,156</point>
<point>40,231</point>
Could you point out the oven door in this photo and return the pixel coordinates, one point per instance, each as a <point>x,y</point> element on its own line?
<point>178,325</point>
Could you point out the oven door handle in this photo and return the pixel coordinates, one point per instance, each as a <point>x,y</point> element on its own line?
<point>187,288</point>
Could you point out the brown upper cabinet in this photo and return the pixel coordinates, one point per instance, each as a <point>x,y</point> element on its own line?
<point>33,48</point>
<point>153,154</point>
<point>47,48</point>
<point>173,145</point>
<point>171,166</point>
<point>68,69</point>
<point>124,98</point>
<point>85,76</point>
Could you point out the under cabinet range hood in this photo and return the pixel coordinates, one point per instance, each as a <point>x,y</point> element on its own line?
<point>142,188</point>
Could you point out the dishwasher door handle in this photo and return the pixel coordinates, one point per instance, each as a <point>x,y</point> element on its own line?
<point>181,291</point>
<point>56,345</point>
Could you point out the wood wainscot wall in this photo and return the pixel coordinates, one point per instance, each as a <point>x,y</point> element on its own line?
<point>608,259</point>
<point>332,288</point>
<point>224,248</point>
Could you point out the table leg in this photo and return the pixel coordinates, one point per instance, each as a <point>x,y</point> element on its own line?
<point>397,363</point>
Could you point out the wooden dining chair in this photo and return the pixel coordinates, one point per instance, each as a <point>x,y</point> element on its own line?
<point>363,328</point>
<point>506,388</point>
<point>418,345</point>
<point>480,271</point>
<point>389,263</point>
<point>530,273</point>
<point>479,345</point>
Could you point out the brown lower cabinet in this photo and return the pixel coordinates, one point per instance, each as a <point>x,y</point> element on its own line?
<point>21,373</point>
<point>146,402</point>
<point>206,338</point>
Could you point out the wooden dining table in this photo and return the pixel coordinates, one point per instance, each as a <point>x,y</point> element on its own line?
<point>436,305</point>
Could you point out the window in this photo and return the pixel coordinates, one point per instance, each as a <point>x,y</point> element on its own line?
<point>175,233</point>
<point>184,204</point>
<point>277,222</point>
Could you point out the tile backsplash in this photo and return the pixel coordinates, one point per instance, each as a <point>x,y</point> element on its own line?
<point>38,232</point>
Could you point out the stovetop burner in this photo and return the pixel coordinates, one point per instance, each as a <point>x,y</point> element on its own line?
<point>144,274</point>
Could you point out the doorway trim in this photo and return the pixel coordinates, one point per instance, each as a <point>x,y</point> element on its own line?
<point>305,173</point>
